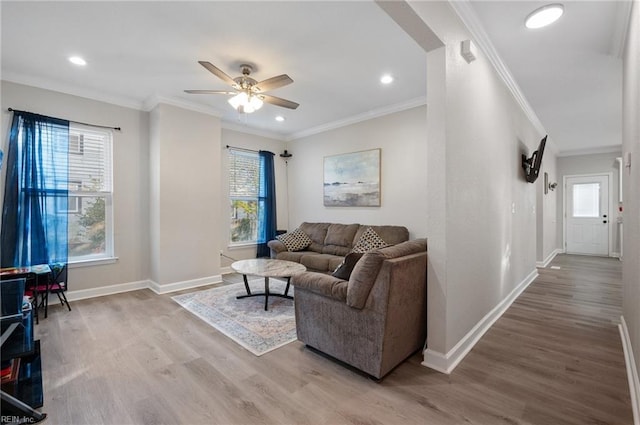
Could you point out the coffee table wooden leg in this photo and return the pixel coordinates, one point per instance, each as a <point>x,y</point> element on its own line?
<point>246,284</point>
<point>266,293</point>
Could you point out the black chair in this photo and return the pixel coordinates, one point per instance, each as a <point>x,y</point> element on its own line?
<point>56,284</point>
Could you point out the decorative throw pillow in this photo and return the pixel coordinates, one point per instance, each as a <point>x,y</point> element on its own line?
<point>296,240</point>
<point>343,271</point>
<point>369,241</point>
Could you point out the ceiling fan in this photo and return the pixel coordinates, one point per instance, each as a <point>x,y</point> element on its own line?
<point>249,93</point>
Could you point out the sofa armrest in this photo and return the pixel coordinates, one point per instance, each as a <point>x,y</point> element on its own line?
<point>276,247</point>
<point>322,284</point>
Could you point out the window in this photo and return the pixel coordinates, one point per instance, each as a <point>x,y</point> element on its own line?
<point>244,172</point>
<point>586,200</point>
<point>90,194</point>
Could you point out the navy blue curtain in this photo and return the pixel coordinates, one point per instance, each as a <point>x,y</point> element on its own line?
<point>267,221</point>
<point>34,217</point>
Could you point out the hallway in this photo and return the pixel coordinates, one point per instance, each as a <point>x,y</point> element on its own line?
<point>557,349</point>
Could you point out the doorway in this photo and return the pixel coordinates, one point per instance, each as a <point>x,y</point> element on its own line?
<point>587,223</point>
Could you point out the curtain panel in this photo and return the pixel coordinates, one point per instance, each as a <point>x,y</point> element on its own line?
<point>34,215</point>
<point>267,221</point>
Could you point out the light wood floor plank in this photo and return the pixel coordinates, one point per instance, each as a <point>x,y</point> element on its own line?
<point>554,357</point>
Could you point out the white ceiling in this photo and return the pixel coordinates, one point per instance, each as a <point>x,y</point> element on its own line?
<point>142,52</point>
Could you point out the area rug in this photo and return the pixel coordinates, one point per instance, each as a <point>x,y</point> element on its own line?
<point>245,321</point>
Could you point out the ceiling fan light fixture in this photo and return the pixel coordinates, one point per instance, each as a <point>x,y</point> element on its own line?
<point>544,16</point>
<point>245,103</point>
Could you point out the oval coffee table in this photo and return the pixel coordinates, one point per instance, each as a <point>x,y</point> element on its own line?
<point>267,267</point>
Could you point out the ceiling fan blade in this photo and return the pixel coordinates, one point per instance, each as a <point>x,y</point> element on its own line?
<point>209,92</point>
<point>272,83</point>
<point>218,73</point>
<point>279,102</point>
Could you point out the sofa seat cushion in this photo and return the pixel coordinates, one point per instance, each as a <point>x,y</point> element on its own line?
<point>322,262</point>
<point>322,284</point>
<point>291,256</point>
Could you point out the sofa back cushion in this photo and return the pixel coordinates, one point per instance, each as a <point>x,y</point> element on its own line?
<point>392,235</point>
<point>339,238</point>
<point>363,277</point>
<point>366,270</point>
<point>317,232</point>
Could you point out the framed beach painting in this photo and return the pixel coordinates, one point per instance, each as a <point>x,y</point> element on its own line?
<point>352,179</point>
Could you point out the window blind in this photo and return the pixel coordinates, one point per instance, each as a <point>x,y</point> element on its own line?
<point>90,160</point>
<point>244,174</point>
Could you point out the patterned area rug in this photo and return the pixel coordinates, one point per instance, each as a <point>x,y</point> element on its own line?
<point>245,320</point>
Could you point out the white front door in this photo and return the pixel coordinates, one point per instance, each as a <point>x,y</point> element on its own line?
<point>587,215</point>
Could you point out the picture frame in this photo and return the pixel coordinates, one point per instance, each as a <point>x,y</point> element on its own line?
<point>352,179</point>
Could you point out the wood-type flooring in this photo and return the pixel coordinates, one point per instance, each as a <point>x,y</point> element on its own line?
<point>555,357</point>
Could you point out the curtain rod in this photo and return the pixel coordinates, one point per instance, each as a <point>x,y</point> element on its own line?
<point>242,149</point>
<point>77,122</point>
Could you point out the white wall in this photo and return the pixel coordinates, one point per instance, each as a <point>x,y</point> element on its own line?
<point>590,164</point>
<point>253,142</point>
<point>402,139</point>
<point>130,177</point>
<point>548,242</point>
<point>185,196</point>
<point>488,234</point>
<point>631,186</point>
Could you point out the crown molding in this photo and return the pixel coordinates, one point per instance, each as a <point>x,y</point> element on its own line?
<point>153,101</point>
<point>623,19</point>
<point>227,125</point>
<point>374,113</point>
<point>57,86</point>
<point>469,18</point>
<point>591,151</point>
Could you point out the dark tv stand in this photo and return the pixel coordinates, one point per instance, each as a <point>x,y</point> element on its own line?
<point>23,393</point>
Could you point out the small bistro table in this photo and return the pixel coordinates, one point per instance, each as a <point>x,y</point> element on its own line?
<point>267,268</point>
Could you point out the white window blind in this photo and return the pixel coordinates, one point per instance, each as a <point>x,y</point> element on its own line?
<point>90,204</point>
<point>92,165</point>
<point>244,180</point>
<point>244,172</point>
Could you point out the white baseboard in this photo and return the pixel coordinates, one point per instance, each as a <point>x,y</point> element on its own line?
<point>445,363</point>
<point>549,259</point>
<point>82,294</point>
<point>632,371</point>
<point>186,284</point>
<point>226,270</point>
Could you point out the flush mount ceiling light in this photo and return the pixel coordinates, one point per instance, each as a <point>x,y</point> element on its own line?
<point>77,60</point>
<point>544,16</point>
<point>386,79</point>
<point>280,118</point>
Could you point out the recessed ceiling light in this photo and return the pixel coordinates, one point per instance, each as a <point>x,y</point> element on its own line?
<point>544,16</point>
<point>279,118</point>
<point>77,60</point>
<point>386,79</point>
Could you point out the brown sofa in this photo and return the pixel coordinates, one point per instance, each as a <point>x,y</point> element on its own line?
<point>377,318</point>
<point>331,242</point>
